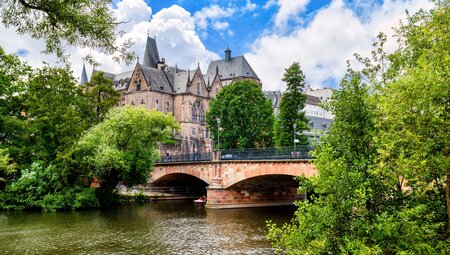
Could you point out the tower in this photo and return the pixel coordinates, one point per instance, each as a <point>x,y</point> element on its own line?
<point>151,55</point>
<point>227,54</point>
<point>84,77</point>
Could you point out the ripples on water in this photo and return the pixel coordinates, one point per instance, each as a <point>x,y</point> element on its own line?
<point>155,228</point>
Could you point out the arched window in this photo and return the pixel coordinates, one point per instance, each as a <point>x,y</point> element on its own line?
<point>198,112</point>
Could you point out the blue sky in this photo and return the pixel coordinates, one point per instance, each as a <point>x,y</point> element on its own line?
<point>244,25</point>
<point>319,34</point>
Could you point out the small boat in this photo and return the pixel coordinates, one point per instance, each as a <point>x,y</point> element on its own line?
<point>200,200</point>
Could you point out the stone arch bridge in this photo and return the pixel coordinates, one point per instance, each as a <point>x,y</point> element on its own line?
<point>237,183</point>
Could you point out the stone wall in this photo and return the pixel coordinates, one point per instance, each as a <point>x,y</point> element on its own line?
<point>236,198</point>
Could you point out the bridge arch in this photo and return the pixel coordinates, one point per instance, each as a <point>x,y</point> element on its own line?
<point>237,173</point>
<point>198,171</point>
<point>265,182</point>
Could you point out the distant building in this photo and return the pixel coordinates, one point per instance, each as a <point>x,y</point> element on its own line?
<point>183,93</point>
<point>319,118</point>
<point>274,97</point>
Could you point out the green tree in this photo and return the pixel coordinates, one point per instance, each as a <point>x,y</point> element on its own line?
<point>123,147</point>
<point>13,77</point>
<point>101,95</point>
<point>415,117</point>
<point>342,202</point>
<point>246,116</point>
<point>383,167</point>
<point>291,109</point>
<point>80,23</point>
<point>42,187</point>
<point>42,111</point>
<point>7,167</point>
<point>56,113</point>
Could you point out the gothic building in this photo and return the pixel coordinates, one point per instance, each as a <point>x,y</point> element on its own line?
<point>183,93</point>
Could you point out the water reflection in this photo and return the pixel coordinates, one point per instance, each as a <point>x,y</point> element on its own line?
<point>155,228</point>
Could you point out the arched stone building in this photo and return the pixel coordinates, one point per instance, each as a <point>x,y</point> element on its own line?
<point>183,93</point>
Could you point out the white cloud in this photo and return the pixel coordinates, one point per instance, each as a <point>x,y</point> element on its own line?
<point>269,4</point>
<point>249,6</point>
<point>288,9</point>
<point>173,27</point>
<point>221,25</point>
<point>132,12</point>
<point>211,14</point>
<point>177,40</point>
<point>323,45</point>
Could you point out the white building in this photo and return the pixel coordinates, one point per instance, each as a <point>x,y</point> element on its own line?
<point>319,118</point>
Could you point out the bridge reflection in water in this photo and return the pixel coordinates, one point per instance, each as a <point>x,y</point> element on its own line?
<point>238,178</point>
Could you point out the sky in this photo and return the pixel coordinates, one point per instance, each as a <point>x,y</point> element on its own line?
<point>271,34</point>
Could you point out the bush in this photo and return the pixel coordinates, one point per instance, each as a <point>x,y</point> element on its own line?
<point>86,199</point>
<point>56,202</point>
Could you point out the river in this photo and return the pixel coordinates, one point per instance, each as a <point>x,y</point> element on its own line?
<point>166,227</point>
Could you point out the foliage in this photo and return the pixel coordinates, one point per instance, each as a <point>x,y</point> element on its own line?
<point>56,112</point>
<point>415,116</point>
<point>13,73</point>
<point>123,146</point>
<point>42,111</point>
<point>7,168</point>
<point>246,116</point>
<point>80,23</point>
<point>384,165</point>
<point>41,188</point>
<point>140,197</point>
<point>342,200</point>
<point>291,109</point>
<point>101,95</point>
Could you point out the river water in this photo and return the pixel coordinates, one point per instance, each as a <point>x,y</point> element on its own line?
<point>166,227</point>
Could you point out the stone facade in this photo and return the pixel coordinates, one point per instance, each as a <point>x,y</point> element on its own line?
<point>183,93</point>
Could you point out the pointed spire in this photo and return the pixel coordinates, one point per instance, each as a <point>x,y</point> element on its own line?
<point>189,76</point>
<point>151,55</point>
<point>176,68</point>
<point>84,77</point>
<point>217,70</point>
<point>208,82</point>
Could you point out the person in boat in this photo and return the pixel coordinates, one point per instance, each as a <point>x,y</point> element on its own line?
<point>201,199</point>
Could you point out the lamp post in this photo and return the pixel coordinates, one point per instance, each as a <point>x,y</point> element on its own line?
<point>218,134</point>
<point>295,140</point>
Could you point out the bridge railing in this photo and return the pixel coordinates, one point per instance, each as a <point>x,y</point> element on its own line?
<point>300,152</point>
<point>188,157</point>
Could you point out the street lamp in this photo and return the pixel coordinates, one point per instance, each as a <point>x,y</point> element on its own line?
<point>295,140</point>
<point>218,134</point>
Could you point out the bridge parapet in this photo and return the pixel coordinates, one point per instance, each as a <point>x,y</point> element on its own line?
<point>243,154</point>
